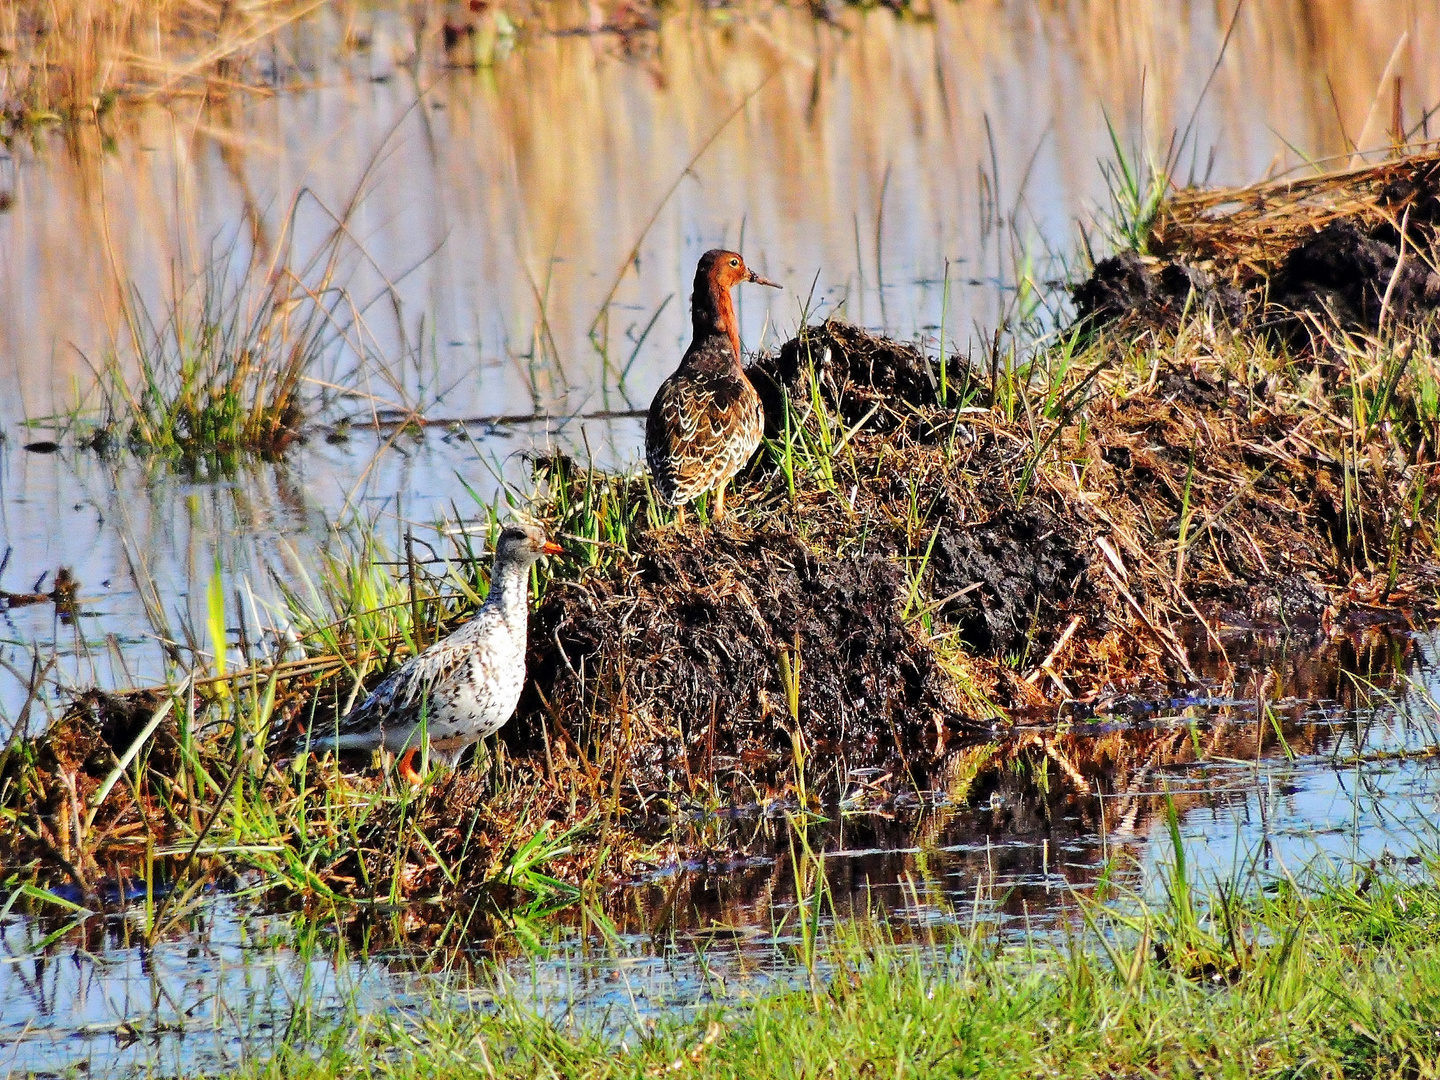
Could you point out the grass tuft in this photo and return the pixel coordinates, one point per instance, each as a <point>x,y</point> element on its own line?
<point>229,364</point>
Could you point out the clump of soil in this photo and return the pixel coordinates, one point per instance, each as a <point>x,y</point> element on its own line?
<point>55,777</point>
<point>693,640</point>
<point>939,573</point>
<point>99,727</point>
<point>1287,258</point>
<point>996,582</point>
<point>1348,274</point>
<point>926,579</point>
<point>859,375</point>
<point>696,638</point>
<point>1155,293</point>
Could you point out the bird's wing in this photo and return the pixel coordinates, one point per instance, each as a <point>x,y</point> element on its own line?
<point>404,695</point>
<point>690,433</point>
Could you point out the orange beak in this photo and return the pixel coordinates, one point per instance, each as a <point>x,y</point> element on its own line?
<point>552,548</point>
<point>756,279</point>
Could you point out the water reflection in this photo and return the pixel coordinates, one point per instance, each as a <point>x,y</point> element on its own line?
<point>875,164</point>
<point>1339,769</point>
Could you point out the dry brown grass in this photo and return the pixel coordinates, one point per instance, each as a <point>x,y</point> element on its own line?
<point>66,60</point>
<point>1244,233</point>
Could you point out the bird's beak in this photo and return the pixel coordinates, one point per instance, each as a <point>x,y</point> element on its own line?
<point>758,280</point>
<point>552,548</point>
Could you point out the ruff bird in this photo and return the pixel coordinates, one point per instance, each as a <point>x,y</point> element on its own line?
<point>465,686</point>
<point>706,421</point>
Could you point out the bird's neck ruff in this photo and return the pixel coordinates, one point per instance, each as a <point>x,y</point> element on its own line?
<point>712,315</point>
<point>510,592</point>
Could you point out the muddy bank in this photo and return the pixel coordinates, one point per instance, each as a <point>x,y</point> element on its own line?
<point>1292,261</point>
<point>526,834</point>
<point>901,580</point>
<point>943,570</point>
<point>917,561</point>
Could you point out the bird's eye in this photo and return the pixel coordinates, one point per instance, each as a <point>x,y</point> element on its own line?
<point>734,262</point>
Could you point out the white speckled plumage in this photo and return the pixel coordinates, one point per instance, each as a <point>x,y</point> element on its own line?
<point>465,686</point>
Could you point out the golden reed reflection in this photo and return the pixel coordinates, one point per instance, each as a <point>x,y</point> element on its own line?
<point>502,202</point>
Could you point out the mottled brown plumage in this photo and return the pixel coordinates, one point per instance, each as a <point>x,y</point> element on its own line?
<point>705,421</point>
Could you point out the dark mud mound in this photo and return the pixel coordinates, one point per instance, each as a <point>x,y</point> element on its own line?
<point>860,376</point>
<point>1008,577</point>
<point>1153,293</point>
<point>708,635</point>
<point>916,582</point>
<point>1348,275</point>
<point>1287,259</point>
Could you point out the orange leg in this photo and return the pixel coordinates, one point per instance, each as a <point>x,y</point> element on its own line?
<point>680,516</point>
<point>720,502</point>
<point>406,767</point>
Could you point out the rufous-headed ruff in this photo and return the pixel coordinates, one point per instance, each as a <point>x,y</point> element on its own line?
<point>706,420</point>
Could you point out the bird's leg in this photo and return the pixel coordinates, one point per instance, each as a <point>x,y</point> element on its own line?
<point>406,767</point>
<point>719,502</point>
<point>680,517</point>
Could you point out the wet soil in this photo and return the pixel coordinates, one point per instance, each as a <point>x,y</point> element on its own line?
<point>939,577</point>
<point>994,580</point>
<point>53,779</point>
<point>1288,261</point>
<point>698,636</point>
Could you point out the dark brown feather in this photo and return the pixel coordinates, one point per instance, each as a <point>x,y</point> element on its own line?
<point>702,429</point>
<point>706,420</point>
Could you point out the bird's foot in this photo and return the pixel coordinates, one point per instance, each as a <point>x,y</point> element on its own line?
<point>405,767</point>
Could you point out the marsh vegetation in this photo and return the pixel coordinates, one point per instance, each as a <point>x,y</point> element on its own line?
<point>1003,571</point>
<point>926,548</point>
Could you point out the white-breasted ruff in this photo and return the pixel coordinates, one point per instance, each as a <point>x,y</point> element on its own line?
<point>465,686</point>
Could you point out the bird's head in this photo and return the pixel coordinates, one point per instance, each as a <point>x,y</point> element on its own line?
<point>523,542</point>
<point>720,270</point>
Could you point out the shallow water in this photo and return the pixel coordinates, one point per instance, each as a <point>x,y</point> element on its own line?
<point>852,162</point>
<point>1012,851</point>
<point>870,156</point>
